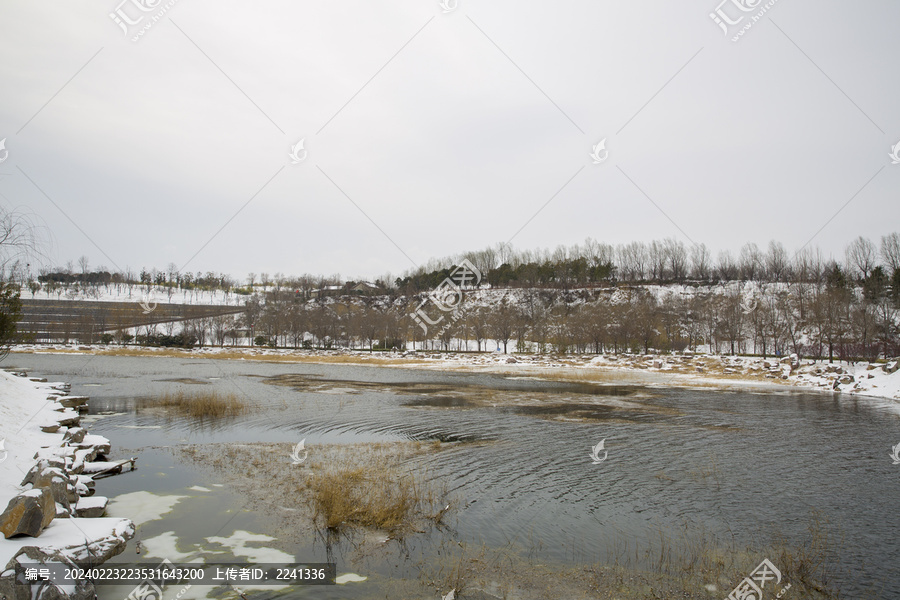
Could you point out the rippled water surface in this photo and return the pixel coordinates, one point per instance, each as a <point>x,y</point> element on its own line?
<point>744,466</point>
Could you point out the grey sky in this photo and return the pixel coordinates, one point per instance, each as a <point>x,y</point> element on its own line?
<point>456,141</point>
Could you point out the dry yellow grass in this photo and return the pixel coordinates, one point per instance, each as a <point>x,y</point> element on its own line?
<point>376,486</point>
<point>204,404</point>
<point>384,497</point>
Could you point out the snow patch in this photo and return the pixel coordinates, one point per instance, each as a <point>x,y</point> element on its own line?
<point>237,543</point>
<point>143,506</point>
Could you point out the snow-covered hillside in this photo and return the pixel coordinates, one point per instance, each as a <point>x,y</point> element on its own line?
<point>123,293</point>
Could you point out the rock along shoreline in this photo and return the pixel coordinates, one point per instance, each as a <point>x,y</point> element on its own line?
<point>48,468</point>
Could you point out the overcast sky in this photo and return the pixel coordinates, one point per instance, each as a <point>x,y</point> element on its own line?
<point>427,133</point>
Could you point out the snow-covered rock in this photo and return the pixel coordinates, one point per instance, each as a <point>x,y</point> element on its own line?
<point>29,513</point>
<point>44,521</point>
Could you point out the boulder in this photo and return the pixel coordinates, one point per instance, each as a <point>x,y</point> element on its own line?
<point>66,417</point>
<point>892,366</point>
<point>28,513</point>
<point>91,507</point>
<point>73,401</point>
<point>84,484</point>
<point>60,485</point>
<point>15,586</point>
<point>99,442</point>
<point>74,435</point>
<point>42,465</point>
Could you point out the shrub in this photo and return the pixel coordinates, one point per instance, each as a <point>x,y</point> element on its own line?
<point>208,404</point>
<point>10,313</point>
<point>180,340</point>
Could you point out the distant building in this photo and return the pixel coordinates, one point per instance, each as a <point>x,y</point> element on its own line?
<point>364,287</point>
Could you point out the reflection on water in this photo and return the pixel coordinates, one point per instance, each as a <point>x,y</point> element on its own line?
<point>747,466</point>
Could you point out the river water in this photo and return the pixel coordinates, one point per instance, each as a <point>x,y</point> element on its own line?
<point>744,467</point>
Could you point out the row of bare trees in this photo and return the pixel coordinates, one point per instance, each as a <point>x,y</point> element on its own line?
<point>668,260</point>
<point>832,320</point>
<point>566,267</point>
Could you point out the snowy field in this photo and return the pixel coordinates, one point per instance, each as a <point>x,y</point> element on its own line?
<point>136,293</point>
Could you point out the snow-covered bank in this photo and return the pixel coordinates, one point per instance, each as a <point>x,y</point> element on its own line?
<point>683,369</point>
<point>702,370</point>
<point>44,488</point>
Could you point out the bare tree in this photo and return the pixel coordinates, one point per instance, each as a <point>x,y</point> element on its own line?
<point>20,240</point>
<point>700,261</point>
<point>777,262</point>
<point>890,251</point>
<point>501,323</point>
<point>633,260</point>
<point>750,262</point>
<point>727,267</point>
<point>84,265</point>
<point>676,256</point>
<point>657,260</point>
<point>862,256</point>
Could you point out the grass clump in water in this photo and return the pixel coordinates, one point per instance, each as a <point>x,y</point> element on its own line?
<point>384,496</point>
<point>204,404</point>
